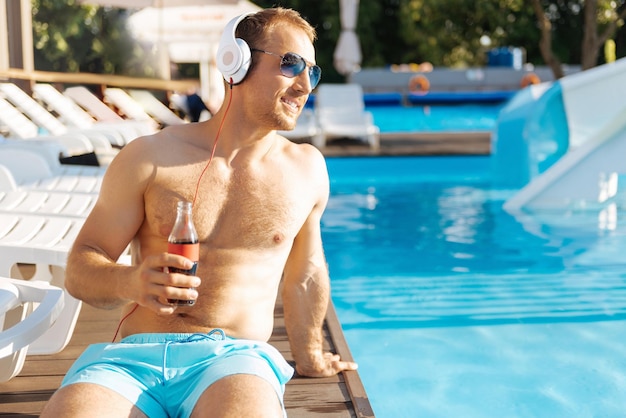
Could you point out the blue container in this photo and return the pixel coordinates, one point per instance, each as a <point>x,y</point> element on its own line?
<point>506,56</point>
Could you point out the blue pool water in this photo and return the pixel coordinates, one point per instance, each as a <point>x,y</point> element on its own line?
<point>454,308</point>
<point>436,118</point>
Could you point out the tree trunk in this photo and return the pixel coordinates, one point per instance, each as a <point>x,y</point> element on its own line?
<point>590,46</point>
<point>545,44</point>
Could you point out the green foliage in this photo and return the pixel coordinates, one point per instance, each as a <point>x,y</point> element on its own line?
<point>450,32</point>
<point>324,16</point>
<point>69,37</point>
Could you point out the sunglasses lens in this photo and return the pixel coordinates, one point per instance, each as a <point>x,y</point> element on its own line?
<point>315,73</point>
<point>291,65</point>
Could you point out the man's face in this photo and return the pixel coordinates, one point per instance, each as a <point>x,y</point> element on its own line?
<point>278,100</point>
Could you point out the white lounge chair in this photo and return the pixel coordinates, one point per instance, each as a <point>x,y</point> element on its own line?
<point>101,140</point>
<point>28,309</point>
<point>340,111</point>
<point>51,151</point>
<point>155,108</point>
<point>47,203</point>
<point>23,129</point>
<point>73,115</point>
<point>104,114</point>
<point>129,107</point>
<point>29,170</point>
<point>44,242</point>
<point>92,104</point>
<point>307,127</point>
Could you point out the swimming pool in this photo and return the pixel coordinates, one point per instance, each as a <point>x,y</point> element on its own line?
<point>455,308</point>
<point>468,117</point>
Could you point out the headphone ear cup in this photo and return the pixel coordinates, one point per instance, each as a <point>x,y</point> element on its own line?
<point>233,54</point>
<point>246,58</point>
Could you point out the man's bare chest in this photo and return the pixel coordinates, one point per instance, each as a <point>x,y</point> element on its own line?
<point>239,210</point>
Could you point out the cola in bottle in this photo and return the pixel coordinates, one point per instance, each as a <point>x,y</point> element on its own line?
<point>183,240</point>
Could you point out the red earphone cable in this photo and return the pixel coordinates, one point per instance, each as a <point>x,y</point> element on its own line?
<point>119,325</point>
<point>217,136</point>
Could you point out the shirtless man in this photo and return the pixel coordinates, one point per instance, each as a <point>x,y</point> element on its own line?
<point>257,207</point>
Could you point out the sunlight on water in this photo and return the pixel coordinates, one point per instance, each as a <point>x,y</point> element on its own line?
<point>455,308</point>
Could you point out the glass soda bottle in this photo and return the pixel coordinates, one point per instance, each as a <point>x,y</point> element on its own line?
<point>183,240</point>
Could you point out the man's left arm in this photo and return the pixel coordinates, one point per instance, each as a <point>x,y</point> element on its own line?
<point>306,294</point>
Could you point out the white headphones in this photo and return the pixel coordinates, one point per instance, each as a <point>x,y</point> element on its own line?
<point>233,54</point>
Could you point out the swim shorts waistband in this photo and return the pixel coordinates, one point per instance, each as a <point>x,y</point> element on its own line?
<point>159,338</point>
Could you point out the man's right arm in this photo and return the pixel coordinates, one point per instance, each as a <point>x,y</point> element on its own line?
<point>92,272</point>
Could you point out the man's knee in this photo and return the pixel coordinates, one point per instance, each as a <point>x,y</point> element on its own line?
<point>239,395</point>
<point>87,399</point>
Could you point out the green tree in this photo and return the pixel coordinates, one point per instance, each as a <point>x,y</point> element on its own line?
<point>593,22</point>
<point>69,37</point>
<point>452,33</point>
<point>458,33</point>
<point>324,16</point>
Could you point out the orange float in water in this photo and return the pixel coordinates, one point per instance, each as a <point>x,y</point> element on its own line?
<point>528,79</point>
<point>419,84</point>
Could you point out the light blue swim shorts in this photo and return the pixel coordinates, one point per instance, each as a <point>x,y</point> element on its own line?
<point>165,374</point>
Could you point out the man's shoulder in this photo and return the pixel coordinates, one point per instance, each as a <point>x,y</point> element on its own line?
<point>301,152</point>
<point>304,158</point>
<point>166,137</point>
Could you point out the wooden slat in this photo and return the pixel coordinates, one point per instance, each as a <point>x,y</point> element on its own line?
<point>331,397</point>
<point>355,387</point>
<point>99,79</point>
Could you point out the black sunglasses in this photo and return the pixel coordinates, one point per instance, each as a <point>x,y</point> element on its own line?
<point>292,64</point>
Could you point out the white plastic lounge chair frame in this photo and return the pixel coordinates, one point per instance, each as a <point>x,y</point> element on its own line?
<point>22,128</point>
<point>47,203</point>
<point>155,108</point>
<point>127,105</point>
<point>44,242</point>
<point>107,116</point>
<point>28,309</point>
<point>31,171</point>
<point>101,140</point>
<point>73,115</point>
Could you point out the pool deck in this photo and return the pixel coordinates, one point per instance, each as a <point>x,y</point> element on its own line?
<point>334,397</point>
<point>445,143</point>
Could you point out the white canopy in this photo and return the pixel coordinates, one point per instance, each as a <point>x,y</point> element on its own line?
<point>190,34</point>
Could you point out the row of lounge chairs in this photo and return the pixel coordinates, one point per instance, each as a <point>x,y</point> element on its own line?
<point>43,205</point>
<point>84,123</point>
<point>76,119</point>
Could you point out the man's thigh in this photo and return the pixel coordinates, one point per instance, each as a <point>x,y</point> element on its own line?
<point>89,400</point>
<point>239,395</point>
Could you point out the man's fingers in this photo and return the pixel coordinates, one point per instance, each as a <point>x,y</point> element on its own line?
<point>344,365</point>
